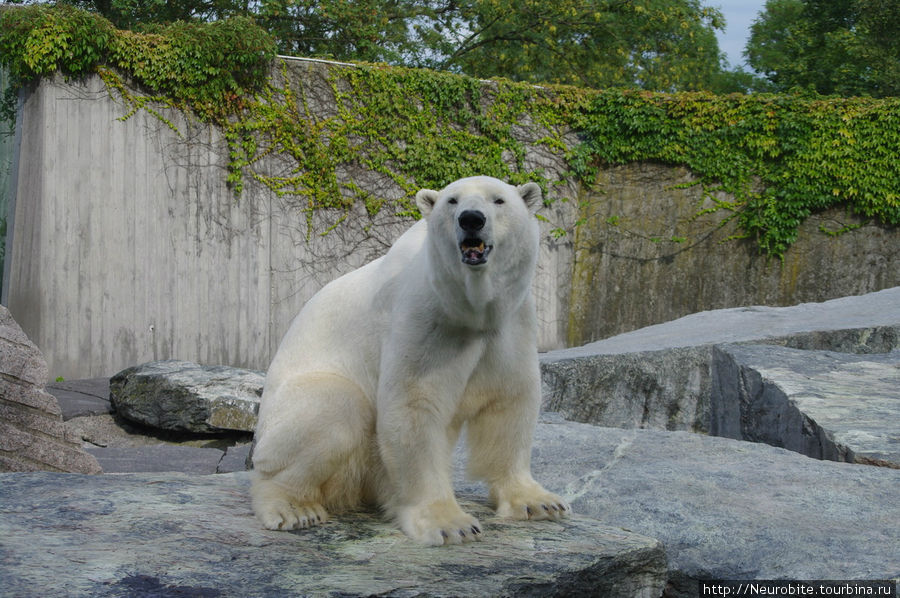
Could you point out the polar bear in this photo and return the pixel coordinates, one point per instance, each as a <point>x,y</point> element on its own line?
<point>370,387</point>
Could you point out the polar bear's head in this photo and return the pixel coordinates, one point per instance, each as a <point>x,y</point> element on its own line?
<point>474,217</point>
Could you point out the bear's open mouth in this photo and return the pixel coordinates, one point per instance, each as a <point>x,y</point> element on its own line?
<point>474,251</point>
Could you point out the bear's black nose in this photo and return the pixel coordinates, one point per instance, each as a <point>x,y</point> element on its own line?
<point>471,220</point>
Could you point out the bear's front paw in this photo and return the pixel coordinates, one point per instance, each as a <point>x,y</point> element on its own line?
<point>288,515</point>
<point>438,523</point>
<point>532,503</point>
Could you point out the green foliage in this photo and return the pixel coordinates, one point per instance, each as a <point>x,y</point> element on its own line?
<point>781,158</point>
<point>363,30</point>
<point>415,128</point>
<point>207,66</point>
<point>39,40</point>
<point>844,48</point>
<point>128,14</point>
<point>650,44</point>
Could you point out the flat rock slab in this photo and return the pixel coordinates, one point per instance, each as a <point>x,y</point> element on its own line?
<point>82,398</point>
<point>727,509</point>
<point>161,458</point>
<point>178,535</point>
<point>157,459</point>
<point>661,376</point>
<point>754,323</point>
<point>823,404</point>
<point>185,396</point>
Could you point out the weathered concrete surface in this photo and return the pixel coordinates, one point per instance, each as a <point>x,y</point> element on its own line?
<point>660,376</point>
<point>158,259</point>
<point>167,535</point>
<point>727,509</point>
<point>647,254</point>
<point>185,396</point>
<point>826,405</point>
<point>32,434</point>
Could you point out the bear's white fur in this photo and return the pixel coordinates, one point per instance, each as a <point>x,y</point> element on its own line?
<point>367,394</point>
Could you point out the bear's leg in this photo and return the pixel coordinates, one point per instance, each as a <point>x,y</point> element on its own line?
<point>416,451</point>
<point>313,452</point>
<point>499,440</point>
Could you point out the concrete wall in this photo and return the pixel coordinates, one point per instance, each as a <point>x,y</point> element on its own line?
<point>129,247</point>
<point>7,156</point>
<point>644,256</point>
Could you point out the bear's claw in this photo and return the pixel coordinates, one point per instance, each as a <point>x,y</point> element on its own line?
<point>439,523</point>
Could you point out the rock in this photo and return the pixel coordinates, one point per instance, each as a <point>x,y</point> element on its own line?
<point>82,398</point>
<point>722,509</point>
<point>666,390</point>
<point>32,434</point>
<point>169,534</point>
<point>237,458</point>
<point>823,404</point>
<point>185,396</point>
<point>660,376</point>
<point>158,458</point>
<point>727,509</point>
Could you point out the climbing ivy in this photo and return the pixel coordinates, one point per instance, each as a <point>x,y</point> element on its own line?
<point>415,128</point>
<point>780,158</point>
<point>207,67</point>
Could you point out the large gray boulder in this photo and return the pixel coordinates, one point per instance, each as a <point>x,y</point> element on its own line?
<point>32,434</point>
<point>826,405</point>
<point>727,509</point>
<point>185,396</point>
<point>181,535</point>
<point>661,376</point>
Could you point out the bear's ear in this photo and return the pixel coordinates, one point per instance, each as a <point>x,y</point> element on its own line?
<point>425,200</point>
<point>531,195</point>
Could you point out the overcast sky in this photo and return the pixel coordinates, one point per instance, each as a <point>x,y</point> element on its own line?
<point>739,15</point>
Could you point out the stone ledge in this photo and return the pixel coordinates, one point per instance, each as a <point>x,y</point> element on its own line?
<point>722,508</point>
<point>823,404</point>
<point>176,534</point>
<point>727,509</point>
<point>660,376</point>
<point>82,398</point>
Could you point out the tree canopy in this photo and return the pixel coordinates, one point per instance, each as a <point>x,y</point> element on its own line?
<point>663,45</point>
<point>833,48</point>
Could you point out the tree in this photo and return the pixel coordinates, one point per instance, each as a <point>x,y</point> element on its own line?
<point>363,30</point>
<point>131,14</point>
<point>843,48</point>
<point>651,44</point>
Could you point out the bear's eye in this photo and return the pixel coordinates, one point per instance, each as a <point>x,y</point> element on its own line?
<point>452,201</point>
<point>499,201</point>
